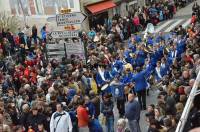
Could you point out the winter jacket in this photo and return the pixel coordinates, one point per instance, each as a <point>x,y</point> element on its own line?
<point>60,122</point>
<point>107,108</point>
<point>34,120</point>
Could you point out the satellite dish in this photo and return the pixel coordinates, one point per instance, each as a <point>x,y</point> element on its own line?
<point>150,28</point>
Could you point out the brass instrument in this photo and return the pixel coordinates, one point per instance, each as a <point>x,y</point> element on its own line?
<point>132,55</point>
<point>166,50</point>
<point>128,66</point>
<point>148,49</point>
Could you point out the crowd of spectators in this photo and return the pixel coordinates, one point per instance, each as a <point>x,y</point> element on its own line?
<point>77,95</point>
<point>138,18</point>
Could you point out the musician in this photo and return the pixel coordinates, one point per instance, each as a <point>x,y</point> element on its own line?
<point>131,44</point>
<point>126,80</point>
<point>165,67</point>
<point>172,54</point>
<point>158,75</point>
<point>138,38</point>
<point>154,57</point>
<point>181,45</point>
<point>127,56</point>
<point>133,60</point>
<point>160,37</point>
<point>118,93</point>
<point>118,64</point>
<point>159,51</point>
<point>141,84</point>
<point>161,48</point>
<point>108,76</point>
<point>140,56</point>
<point>150,41</point>
<point>113,72</point>
<point>161,70</point>
<point>100,79</point>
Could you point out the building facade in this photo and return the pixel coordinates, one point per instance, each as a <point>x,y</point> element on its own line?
<point>37,11</point>
<point>98,11</point>
<point>40,7</point>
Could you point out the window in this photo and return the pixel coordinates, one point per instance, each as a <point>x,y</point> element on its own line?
<point>62,3</point>
<point>15,7</point>
<point>25,6</point>
<point>48,3</point>
<point>39,9</point>
<point>49,7</point>
<point>71,2</point>
<point>52,7</point>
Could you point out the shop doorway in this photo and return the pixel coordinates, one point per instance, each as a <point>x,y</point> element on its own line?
<point>98,19</point>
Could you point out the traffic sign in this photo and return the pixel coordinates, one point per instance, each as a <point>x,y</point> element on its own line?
<point>62,48</point>
<point>64,34</point>
<point>70,18</point>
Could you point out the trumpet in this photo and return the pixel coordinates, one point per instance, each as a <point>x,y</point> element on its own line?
<point>166,49</point>
<point>148,49</point>
<point>132,55</point>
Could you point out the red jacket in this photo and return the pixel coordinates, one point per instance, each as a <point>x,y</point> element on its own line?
<point>136,21</point>
<point>27,72</point>
<point>83,116</point>
<point>193,19</point>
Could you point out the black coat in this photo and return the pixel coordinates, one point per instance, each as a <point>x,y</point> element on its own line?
<point>35,120</point>
<point>23,119</point>
<point>34,32</point>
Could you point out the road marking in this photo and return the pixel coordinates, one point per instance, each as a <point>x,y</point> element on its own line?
<point>56,53</point>
<point>174,25</point>
<point>163,25</point>
<point>186,23</point>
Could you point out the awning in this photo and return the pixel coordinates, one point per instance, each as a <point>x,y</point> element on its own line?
<point>102,6</point>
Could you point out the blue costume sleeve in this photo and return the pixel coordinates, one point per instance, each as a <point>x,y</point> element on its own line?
<point>107,75</point>
<point>99,80</point>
